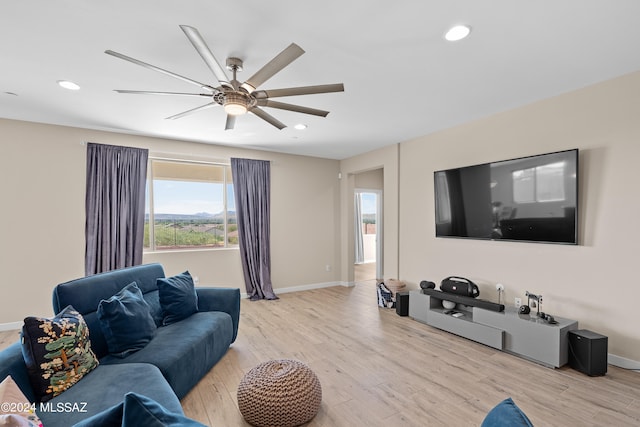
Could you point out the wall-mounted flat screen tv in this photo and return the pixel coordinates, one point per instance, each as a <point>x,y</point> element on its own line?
<point>532,199</point>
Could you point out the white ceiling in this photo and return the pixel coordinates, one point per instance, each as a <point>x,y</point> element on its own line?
<point>402,79</point>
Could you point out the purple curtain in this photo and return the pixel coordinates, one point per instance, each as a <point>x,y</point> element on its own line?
<point>251,185</point>
<point>114,202</point>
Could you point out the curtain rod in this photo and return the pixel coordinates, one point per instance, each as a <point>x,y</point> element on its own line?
<point>172,159</point>
<point>206,162</point>
<point>197,161</point>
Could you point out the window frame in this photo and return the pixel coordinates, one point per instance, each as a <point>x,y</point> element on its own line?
<point>151,208</point>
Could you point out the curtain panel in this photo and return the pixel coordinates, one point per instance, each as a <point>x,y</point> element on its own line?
<point>251,185</point>
<point>114,203</point>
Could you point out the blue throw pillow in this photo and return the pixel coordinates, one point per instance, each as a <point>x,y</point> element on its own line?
<point>506,414</point>
<point>57,352</point>
<point>126,321</point>
<point>138,410</point>
<point>178,298</point>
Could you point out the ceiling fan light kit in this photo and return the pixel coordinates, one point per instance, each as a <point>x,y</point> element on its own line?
<point>238,98</point>
<point>236,103</point>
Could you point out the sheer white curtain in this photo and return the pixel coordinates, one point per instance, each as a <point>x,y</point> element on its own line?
<point>359,238</point>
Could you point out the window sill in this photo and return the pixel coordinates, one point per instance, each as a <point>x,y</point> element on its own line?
<point>171,251</point>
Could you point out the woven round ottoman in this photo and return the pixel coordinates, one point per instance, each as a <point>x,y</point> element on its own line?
<point>279,393</point>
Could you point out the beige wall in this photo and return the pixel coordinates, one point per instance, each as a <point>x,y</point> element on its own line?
<point>594,282</point>
<point>42,175</point>
<point>370,180</point>
<point>385,159</point>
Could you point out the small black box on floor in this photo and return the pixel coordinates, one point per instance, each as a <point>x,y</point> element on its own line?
<point>402,303</point>
<point>588,352</point>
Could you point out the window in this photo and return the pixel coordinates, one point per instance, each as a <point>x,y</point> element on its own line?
<point>191,205</point>
<point>539,184</point>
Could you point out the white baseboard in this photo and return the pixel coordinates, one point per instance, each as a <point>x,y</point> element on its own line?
<point>622,362</point>
<point>305,287</point>
<point>10,326</point>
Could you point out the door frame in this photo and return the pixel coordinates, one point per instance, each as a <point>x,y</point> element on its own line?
<point>379,227</point>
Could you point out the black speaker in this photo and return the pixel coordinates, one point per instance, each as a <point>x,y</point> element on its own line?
<point>402,303</point>
<point>425,284</point>
<point>588,352</point>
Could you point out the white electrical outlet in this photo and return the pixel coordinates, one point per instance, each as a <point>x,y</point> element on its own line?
<point>327,267</point>
<point>518,302</point>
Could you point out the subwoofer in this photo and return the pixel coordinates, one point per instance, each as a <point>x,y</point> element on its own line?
<point>588,352</point>
<point>402,303</point>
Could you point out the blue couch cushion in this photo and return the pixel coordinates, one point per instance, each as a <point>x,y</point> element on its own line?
<point>506,414</point>
<point>85,293</point>
<point>138,410</point>
<point>185,351</point>
<point>104,388</point>
<point>178,298</point>
<point>57,352</point>
<point>126,321</point>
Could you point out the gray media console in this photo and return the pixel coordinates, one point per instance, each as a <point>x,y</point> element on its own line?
<point>524,335</point>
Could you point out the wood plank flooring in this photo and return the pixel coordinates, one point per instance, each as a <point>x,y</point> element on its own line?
<point>7,338</point>
<point>380,369</point>
<point>364,272</point>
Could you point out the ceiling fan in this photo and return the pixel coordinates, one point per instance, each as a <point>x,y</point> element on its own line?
<point>238,98</point>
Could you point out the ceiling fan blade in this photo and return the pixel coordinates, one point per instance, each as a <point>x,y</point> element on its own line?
<point>284,58</point>
<point>291,107</point>
<point>302,90</point>
<point>201,46</point>
<point>267,117</point>
<point>147,92</point>
<point>231,122</point>
<point>158,69</point>
<point>193,110</point>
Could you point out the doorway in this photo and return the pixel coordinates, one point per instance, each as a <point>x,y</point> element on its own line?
<point>368,234</point>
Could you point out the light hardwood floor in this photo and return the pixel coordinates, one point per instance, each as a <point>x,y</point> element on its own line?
<point>364,272</point>
<point>380,369</point>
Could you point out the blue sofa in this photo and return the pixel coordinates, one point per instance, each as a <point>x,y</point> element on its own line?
<point>165,370</point>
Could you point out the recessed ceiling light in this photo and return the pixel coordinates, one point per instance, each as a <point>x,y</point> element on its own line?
<point>300,126</point>
<point>68,85</point>
<point>457,33</point>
